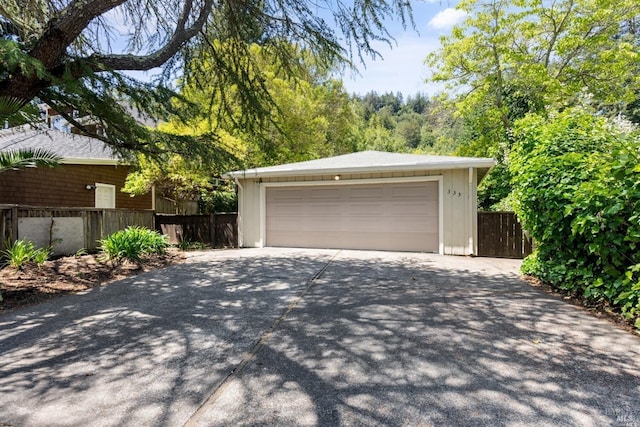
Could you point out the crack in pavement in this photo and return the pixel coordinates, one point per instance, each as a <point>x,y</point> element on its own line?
<point>210,401</point>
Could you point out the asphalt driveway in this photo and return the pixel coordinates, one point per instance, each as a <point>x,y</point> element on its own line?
<point>312,337</point>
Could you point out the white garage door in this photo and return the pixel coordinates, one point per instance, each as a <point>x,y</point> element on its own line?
<point>397,217</point>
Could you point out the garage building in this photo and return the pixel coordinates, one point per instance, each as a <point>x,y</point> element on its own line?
<point>369,200</point>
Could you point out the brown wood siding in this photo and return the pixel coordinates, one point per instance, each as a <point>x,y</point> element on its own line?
<point>66,186</point>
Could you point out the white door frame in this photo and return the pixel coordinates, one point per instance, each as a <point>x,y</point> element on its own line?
<point>438,178</point>
<point>113,194</point>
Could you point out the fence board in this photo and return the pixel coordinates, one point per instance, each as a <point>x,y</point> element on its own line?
<point>93,230</point>
<point>114,220</point>
<point>164,206</point>
<point>226,230</point>
<point>501,235</point>
<point>216,230</point>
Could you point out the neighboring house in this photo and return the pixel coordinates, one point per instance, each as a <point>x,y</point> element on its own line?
<point>366,200</point>
<point>90,175</point>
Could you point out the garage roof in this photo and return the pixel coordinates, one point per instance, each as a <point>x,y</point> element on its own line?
<point>72,148</point>
<point>367,162</point>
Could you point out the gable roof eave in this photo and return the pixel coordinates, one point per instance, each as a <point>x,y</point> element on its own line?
<point>256,173</point>
<point>365,162</point>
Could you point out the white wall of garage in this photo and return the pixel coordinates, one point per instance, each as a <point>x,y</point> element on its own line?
<point>459,204</point>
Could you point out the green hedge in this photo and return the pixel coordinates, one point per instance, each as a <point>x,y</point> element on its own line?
<point>576,181</point>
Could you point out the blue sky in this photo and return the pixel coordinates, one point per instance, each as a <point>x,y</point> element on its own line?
<point>402,68</point>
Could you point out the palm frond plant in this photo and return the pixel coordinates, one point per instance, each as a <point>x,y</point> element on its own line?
<point>22,158</point>
<point>10,105</point>
<point>27,158</point>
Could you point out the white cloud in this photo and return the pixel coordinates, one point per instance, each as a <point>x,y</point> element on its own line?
<point>447,18</point>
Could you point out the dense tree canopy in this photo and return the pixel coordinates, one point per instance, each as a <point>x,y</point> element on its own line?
<point>510,58</point>
<point>71,53</point>
<point>513,57</point>
<point>311,117</point>
<point>390,122</point>
<point>24,158</point>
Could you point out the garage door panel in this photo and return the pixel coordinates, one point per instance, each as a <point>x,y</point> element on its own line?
<point>324,193</point>
<point>406,192</point>
<point>392,241</point>
<point>286,209</point>
<point>398,216</point>
<point>287,195</point>
<point>313,239</point>
<point>364,209</point>
<point>413,209</point>
<point>327,209</point>
<point>322,223</point>
<point>362,224</point>
<point>276,226</point>
<point>364,192</point>
<point>363,241</point>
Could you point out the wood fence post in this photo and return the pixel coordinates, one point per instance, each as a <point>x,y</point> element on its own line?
<point>213,235</point>
<point>13,233</point>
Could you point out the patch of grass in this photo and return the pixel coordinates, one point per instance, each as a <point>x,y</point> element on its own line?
<point>188,245</point>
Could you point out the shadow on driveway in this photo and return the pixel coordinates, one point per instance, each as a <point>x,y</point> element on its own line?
<point>146,350</point>
<point>390,339</point>
<point>379,339</point>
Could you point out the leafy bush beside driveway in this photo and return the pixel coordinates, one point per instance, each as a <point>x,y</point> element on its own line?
<point>22,252</point>
<point>132,244</point>
<point>576,179</point>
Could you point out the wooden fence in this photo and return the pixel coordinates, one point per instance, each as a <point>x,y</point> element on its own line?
<point>500,235</point>
<point>217,230</point>
<point>67,230</point>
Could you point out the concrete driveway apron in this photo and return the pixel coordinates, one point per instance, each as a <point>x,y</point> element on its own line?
<point>307,337</point>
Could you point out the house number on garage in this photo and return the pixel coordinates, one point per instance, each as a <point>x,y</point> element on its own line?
<point>455,193</point>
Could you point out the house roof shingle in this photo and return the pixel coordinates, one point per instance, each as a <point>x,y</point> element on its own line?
<point>72,148</point>
<point>365,162</point>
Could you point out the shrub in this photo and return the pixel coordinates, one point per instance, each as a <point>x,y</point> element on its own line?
<point>577,190</point>
<point>221,200</point>
<point>41,255</point>
<point>23,251</point>
<point>132,244</point>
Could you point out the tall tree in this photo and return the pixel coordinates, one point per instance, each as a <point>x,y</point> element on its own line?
<point>311,117</point>
<point>512,57</point>
<point>71,53</point>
